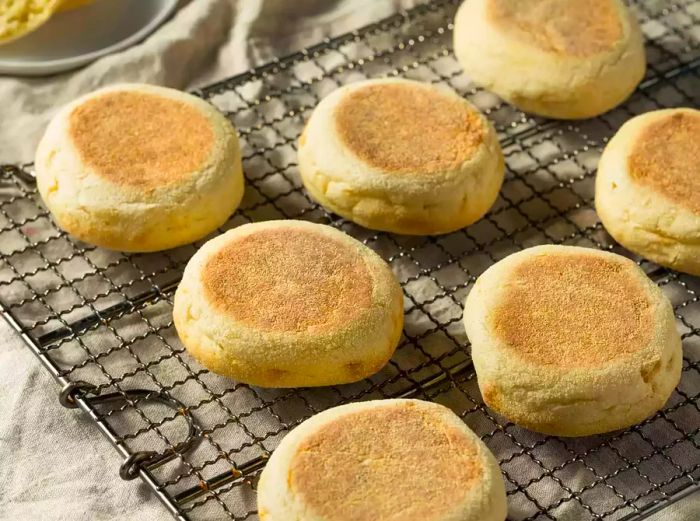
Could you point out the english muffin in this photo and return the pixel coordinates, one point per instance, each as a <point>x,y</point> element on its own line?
<point>648,187</point>
<point>289,304</point>
<point>385,460</point>
<point>139,168</point>
<point>572,341</point>
<point>20,17</point>
<point>401,156</point>
<point>566,59</point>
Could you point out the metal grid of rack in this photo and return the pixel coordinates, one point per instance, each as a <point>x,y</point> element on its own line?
<point>101,321</point>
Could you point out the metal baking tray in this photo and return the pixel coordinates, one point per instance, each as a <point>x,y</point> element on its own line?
<point>101,323</point>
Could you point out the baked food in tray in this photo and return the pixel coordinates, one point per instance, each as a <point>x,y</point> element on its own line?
<point>401,156</point>
<point>289,304</point>
<point>647,190</point>
<point>572,341</point>
<point>385,460</point>
<point>137,167</point>
<point>566,59</point>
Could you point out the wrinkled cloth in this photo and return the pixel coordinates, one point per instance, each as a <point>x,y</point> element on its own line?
<point>54,464</point>
<point>206,41</point>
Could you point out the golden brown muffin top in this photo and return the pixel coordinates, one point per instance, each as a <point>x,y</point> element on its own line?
<point>390,463</point>
<point>140,140</point>
<point>666,158</point>
<point>572,309</point>
<point>288,279</point>
<point>571,27</point>
<point>408,128</point>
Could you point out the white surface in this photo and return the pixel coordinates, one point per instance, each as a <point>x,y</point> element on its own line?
<point>74,38</point>
<point>54,464</point>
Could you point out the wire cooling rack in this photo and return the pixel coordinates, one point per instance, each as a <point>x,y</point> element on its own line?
<point>101,321</point>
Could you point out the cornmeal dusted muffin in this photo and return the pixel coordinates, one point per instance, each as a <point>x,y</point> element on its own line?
<point>385,460</point>
<point>289,304</point>
<point>564,59</point>
<point>20,17</point>
<point>572,341</point>
<point>401,156</point>
<point>648,187</point>
<point>139,168</point>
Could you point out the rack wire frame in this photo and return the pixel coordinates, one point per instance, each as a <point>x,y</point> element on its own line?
<point>101,321</point>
